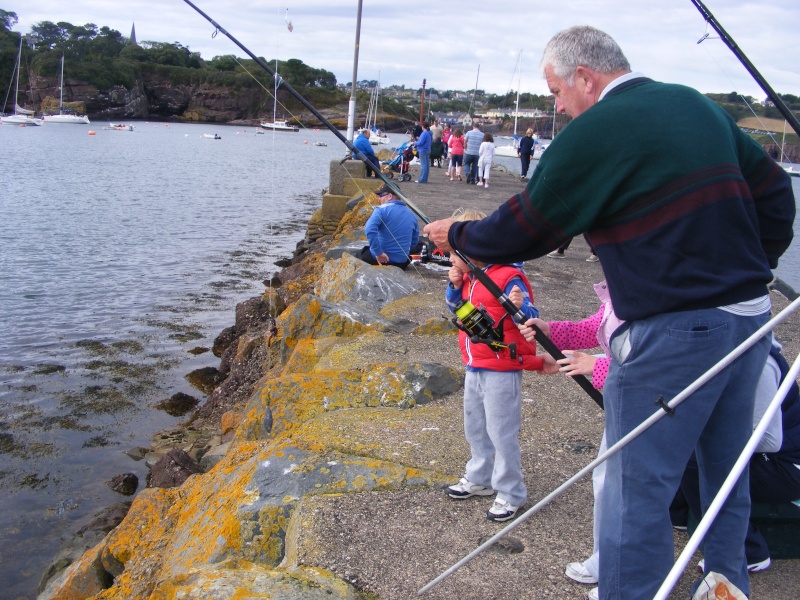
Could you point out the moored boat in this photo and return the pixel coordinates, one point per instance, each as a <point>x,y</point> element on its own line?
<point>21,116</point>
<point>67,118</point>
<point>119,127</point>
<point>279,126</point>
<point>61,117</point>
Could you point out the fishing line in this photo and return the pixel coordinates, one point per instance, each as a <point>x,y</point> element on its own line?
<point>517,315</point>
<point>733,86</point>
<point>749,66</point>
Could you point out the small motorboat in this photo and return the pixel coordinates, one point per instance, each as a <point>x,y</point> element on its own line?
<point>279,126</point>
<point>119,127</point>
<point>212,136</point>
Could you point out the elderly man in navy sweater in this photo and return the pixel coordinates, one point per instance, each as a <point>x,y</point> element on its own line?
<point>687,215</point>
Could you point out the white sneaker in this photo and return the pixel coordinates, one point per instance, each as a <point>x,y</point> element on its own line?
<point>751,568</point>
<point>501,511</point>
<point>556,254</point>
<point>577,572</point>
<point>466,489</point>
<point>479,183</point>
<point>486,185</point>
<point>592,258</point>
<point>594,594</point>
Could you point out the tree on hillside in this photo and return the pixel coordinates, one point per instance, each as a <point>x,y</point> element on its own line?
<point>175,55</point>
<point>226,62</point>
<point>8,19</point>
<point>298,74</point>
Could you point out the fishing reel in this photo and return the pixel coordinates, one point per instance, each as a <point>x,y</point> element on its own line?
<point>480,327</point>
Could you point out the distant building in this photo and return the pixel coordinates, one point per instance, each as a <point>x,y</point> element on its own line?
<point>495,113</point>
<point>132,39</point>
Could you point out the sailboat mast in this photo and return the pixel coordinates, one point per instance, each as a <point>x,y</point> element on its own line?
<point>519,85</point>
<point>19,68</point>
<point>61,88</point>
<point>474,91</point>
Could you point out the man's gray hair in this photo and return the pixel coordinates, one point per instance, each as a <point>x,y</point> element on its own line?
<point>583,46</point>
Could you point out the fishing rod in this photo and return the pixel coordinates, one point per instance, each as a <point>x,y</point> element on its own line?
<point>491,286</point>
<point>730,43</point>
<point>660,413</point>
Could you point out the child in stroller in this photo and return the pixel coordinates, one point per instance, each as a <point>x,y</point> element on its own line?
<point>405,154</point>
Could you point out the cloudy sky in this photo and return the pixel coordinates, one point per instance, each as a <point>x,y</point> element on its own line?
<point>447,42</point>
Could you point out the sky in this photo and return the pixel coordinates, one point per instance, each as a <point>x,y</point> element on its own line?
<point>453,43</point>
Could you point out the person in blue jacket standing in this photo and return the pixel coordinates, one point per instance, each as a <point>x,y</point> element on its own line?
<point>363,146</point>
<point>424,151</point>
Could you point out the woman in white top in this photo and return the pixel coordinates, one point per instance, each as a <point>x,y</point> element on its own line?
<point>485,158</point>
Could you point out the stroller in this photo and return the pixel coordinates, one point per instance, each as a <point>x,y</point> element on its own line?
<point>405,154</point>
<point>437,152</point>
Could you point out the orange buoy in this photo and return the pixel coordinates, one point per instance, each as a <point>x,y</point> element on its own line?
<point>91,132</point>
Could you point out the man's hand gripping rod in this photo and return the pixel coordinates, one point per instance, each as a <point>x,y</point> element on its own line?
<point>490,285</point>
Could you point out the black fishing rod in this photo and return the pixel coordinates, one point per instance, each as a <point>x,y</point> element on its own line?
<point>491,286</point>
<point>730,43</point>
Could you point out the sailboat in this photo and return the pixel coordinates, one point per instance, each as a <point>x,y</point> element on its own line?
<point>61,117</point>
<point>511,150</point>
<point>375,135</point>
<point>541,145</point>
<point>21,116</point>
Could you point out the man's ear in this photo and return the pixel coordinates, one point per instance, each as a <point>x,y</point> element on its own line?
<point>584,78</point>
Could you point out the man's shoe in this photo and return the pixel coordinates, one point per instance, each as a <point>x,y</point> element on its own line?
<point>751,567</point>
<point>501,511</point>
<point>577,572</point>
<point>556,254</point>
<point>592,258</point>
<point>759,566</point>
<point>466,489</point>
<point>594,594</point>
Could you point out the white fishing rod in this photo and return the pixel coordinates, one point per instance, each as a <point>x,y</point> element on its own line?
<point>741,464</point>
<point>665,409</point>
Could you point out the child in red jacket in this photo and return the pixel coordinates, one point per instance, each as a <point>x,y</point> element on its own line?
<point>492,396</point>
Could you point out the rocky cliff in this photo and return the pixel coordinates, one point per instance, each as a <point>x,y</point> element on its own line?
<point>154,96</point>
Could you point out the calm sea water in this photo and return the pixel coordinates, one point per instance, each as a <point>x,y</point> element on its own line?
<point>119,253</point>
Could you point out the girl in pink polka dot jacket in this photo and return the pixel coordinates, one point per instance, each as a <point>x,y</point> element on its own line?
<point>588,333</point>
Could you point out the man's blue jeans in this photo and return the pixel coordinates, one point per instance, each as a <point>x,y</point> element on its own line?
<point>424,166</point>
<point>665,354</point>
<point>471,167</point>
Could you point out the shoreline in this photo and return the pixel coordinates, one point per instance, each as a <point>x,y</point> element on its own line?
<point>379,539</point>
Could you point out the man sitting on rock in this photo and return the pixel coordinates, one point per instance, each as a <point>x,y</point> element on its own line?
<point>392,231</point>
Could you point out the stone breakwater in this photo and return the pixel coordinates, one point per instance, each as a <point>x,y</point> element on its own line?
<point>313,470</point>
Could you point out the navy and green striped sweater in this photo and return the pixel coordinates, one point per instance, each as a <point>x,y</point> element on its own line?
<point>683,209</point>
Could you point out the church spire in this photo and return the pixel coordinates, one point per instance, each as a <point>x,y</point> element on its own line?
<point>132,39</point>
